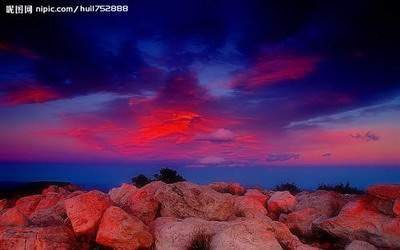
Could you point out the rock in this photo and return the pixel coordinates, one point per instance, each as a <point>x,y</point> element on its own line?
<point>224,187</point>
<point>249,207</point>
<point>13,217</point>
<point>327,203</point>
<point>55,189</point>
<point>85,211</point>
<point>359,220</point>
<point>245,235</point>
<point>174,234</point>
<point>120,195</point>
<point>360,245</point>
<point>119,230</point>
<point>386,192</point>
<point>143,204</point>
<point>50,210</point>
<point>383,206</point>
<point>300,222</point>
<point>38,238</point>
<point>281,201</point>
<point>257,195</point>
<point>26,205</point>
<point>184,199</point>
<point>3,204</point>
<point>396,207</point>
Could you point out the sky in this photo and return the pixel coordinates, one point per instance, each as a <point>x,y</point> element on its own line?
<point>204,84</point>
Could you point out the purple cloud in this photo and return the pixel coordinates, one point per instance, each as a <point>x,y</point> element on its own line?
<point>367,137</point>
<point>282,157</point>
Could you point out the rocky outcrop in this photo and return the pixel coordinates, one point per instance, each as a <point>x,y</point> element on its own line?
<point>281,202</point>
<point>13,217</point>
<point>225,187</point>
<point>360,245</point>
<point>121,195</point>
<point>86,210</point>
<point>242,233</point>
<point>184,199</point>
<point>396,207</point>
<point>327,203</point>
<point>143,204</point>
<point>257,195</point>
<point>300,222</point>
<point>3,204</point>
<point>246,206</point>
<point>119,230</point>
<point>38,238</point>
<point>26,205</point>
<point>385,192</point>
<point>359,220</point>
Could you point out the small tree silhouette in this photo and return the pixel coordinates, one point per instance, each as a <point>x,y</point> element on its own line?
<point>140,180</point>
<point>289,186</point>
<point>168,175</point>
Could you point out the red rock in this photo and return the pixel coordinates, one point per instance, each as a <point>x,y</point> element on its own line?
<point>359,220</point>
<point>55,189</point>
<point>257,195</point>
<point>49,200</point>
<point>85,211</point>
<point>327,203</point>
<point>224,187</point>
<point>301,221</point>
<point>120,195</point>
<point>143,204</point>
<point>281,201</point>
<point>3,204</point>
<point>26,205</point>
<point>35,238</point>
<point>185,199</point>
<point>360,245</point>
<point>396,207</point>
<point>119,230</point>
<point>386,192</point>
<point>249,207</point>
<point>13,217</point>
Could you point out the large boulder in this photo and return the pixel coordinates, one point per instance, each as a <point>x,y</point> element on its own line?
<point>120,195</point>
<point>327,203</point>
<point>50,210</point>
<point>38,238</point>
<point>385,192</point>
<point>143,203</point>
<point>119,230</point>
<point>242,233</point>
<point>55,189</point>
<point>360,245</point>
<point>281,202</point>
<point>231,188</point>
<point>257,195</point>
<point>26,205</point>
<point>245,235</point>
<point>249,207</point>
<point>359,220</point>
<point>300,222</point>
<point>85,211</point>
<point>185,199</point>
<point>13,217</point>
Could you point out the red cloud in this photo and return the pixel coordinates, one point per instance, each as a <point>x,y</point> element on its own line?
<point>273,69</point>
<point>31,94</point>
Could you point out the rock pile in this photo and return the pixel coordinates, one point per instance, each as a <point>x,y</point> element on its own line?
<point>224,215</point>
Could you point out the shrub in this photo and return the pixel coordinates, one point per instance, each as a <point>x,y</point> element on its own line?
<point>289,186</point>
<point>168,175</point>
<point>341,188</point>
<point>201,241</point>
<point>140,180</point>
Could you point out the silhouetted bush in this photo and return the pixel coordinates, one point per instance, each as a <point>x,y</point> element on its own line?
<point>140,180</point>
<point>341,188</point>
<point>168,175</point>
<point>289,186</point>
<point>202,241</point>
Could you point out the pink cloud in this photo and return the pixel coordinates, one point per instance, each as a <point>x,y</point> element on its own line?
<point>29,94</point>
<point>273,69</point>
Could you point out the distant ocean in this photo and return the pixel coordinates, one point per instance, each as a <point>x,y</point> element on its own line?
<point>105,176</point>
